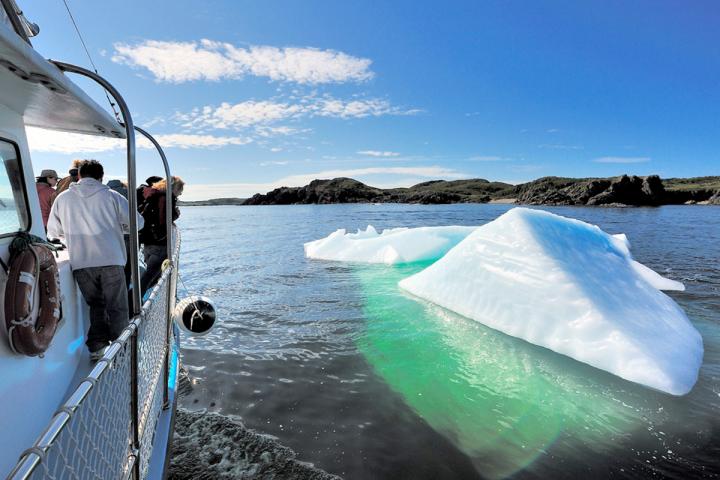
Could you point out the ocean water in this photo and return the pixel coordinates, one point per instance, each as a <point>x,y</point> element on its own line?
<point>366,382</point>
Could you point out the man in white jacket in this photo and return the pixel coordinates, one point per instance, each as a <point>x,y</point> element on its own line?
<point>91,219</point>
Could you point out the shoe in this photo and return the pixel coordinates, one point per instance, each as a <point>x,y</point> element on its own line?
<point>98,354</point>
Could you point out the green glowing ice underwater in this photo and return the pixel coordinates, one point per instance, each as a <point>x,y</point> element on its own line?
<point>502,401</point>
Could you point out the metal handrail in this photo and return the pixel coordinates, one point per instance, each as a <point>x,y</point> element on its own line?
<point>168,247</point>
<point>31,458</point>
<point>134,242</point>
<point>12,13</point>
<point>131,173</point>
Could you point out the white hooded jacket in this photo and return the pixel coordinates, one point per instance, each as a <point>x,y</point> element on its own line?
<point>91,219</point>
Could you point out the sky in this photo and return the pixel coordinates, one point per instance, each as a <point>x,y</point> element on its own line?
<point>247,96</point>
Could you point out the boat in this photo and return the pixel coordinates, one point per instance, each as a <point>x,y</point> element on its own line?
<point>65,416</point>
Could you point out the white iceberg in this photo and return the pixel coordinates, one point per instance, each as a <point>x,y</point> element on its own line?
<point>392,246</point>
<point>568,286</point>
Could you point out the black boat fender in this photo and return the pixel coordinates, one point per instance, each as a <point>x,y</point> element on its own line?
<point>195,314</point>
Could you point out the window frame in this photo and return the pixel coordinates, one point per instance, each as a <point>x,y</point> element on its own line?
<point>21,171</point>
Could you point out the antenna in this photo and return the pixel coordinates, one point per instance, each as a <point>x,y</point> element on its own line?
<point>87,52</point>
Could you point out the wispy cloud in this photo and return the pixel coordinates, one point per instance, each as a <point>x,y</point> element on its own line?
<point>622,160</point>
<point>178,62</point>
<point>252,113</point>
<point>41,140</point>
<point>559,146</point>
<point>378,153</point>
<point>404,177</point>
<point>281,162</point>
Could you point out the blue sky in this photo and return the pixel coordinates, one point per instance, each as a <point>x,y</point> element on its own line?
<point>252,95</point>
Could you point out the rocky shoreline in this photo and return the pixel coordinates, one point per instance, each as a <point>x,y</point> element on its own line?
<point>625,190</point>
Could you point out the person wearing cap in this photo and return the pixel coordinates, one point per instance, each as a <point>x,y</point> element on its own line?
<point>45,183</point>
<point>64,183</point>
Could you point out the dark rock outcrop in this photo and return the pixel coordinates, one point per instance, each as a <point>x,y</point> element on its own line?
<point>631,191</point>
<point>623,190</point>
<point>347,190</point>
<point>626,190</point>
<point>429,197</point>
<point>693,190</point>
<point>337,190</point>
<point>715,199</point>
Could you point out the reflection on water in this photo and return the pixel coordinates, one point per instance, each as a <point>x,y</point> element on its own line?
<point>366,382</point>
<point>501,400</point>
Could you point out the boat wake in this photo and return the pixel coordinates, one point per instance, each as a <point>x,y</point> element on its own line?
<point>213,446</point>
<point>209,445</point>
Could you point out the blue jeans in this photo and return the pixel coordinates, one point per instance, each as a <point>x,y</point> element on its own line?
<point>154,255</point>
<point>105,292</point>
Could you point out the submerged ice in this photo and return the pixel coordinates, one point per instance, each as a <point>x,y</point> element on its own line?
<point>553,281</point>
<point>392,246</point>
<point>570,287</point>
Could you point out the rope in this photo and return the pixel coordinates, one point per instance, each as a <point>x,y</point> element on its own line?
<point>87,52</point>
<point>187,292</point>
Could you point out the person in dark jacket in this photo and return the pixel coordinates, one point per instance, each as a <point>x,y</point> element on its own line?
<point>140,191</point>
<point>153,236</point>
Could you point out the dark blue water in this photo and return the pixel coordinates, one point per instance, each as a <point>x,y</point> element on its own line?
<point>288,356</point>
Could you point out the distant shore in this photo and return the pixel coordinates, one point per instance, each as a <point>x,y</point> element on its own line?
<point>624,190</point>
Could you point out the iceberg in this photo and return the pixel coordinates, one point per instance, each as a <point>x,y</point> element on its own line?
<point>392,246</point>
<point>570,287</point>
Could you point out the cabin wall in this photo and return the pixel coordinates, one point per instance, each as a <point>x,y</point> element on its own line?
<point>32,388</point>
<point>12,128</point>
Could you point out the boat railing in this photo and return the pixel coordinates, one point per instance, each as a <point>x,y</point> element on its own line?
<point>91,434</point>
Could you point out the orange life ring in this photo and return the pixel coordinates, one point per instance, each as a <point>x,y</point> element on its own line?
<point>33,307</point>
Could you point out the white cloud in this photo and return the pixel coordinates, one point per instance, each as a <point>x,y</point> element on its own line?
<point>268,131</point>
<point>41,140</point>
<point>186,141</point>
<point>253,113</point>
<point>405,176</point>
<point>378,153</point>
<point>282,162</point>
<point>179,62</point>
<point>622,160</point>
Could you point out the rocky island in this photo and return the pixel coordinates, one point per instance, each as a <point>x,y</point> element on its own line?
<point>617,191</point>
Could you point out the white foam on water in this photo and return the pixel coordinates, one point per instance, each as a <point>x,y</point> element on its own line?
<point>392,246</point>
<point>565,285</point>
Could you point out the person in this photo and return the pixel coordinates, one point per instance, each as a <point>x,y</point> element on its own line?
<point>91,219</point>
<point>45,183</point>
<point>65,182</point>
<point>153,236</point>
<point>140,191</point>
<point>119,186</point>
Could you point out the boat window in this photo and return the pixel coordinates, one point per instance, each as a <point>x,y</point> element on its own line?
<point>13,207</point>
